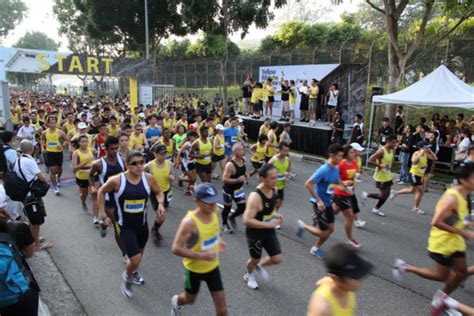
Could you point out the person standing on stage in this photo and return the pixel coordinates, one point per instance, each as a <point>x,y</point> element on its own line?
<point>338,129</point>
<point>304,102</point>
<point>313,102</point>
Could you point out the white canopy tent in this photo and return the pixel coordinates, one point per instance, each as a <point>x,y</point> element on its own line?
<point>441,88</point>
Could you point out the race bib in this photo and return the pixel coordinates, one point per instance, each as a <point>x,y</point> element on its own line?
<point>281,177</point>
<point>239,193</point>
<point>134,206</point>
<point>168,157</point>
<point>423,168</point>
<point>234,139</point>
<point>52,144</point>
<point>170,196</point>
<point>210,243</point>
<point>330,189</point>
<point>267,218</point>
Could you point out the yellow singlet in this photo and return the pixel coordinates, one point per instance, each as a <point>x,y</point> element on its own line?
<point>205,150</point>
<point>208,239</point>
<point>220,149</point>
<point>384,175</point>
<point>83,173</point>
<point>53,143</point>
<point>419,169</point>
<point>324,290</point>
<point>161,174</point>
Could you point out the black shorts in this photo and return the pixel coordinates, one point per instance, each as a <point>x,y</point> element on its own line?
<point>383,185</point>
<point>133,239</point>
<point>258,107</point>
<point>203,168</point>
<point>355,204</point>
<point>82,183</point>
<point>322,219</point>
<point>35,211</point>
<point>258,239</point>
<point>343,202</point>
<point>444,260</point>
<point>257,165</point>
<point>190,166</point>
<point>216,158</point>
<point>271,98</point>
<point>415,180</point>
<point>281,194</point>
<point>54,159</point>
<point>192,281</point>
<point>237,196</point>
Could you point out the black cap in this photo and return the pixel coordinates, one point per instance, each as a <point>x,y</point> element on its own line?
<point>160,149</point>
<point>343,260</point>
<point>421,144</point>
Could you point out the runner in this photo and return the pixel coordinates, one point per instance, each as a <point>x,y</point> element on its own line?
<point>137,139</point>
<point>131,190</point>
<point>261,219</point>
<point>321,186</point>
<point>123,146</point>
<point>419,164</point>
<point>52,140</point>
<point>201,151</point>
<point>258,153</point>
<point>442,304</point>
<point>335,293</point>
<point>234,178</point>
<point>169,143</point>
<point>199,242</point>
<point>446,242</point>
<point>272,141</point>
<point>231,136</point>
<point>218,150</point>
<point>162,170</point>
<point>99,140</point>
<point>343,197</point>
<point>358,178</point>
<point>82,159</point>
<point>383,159</point>
<point>282,163</point>
<point>186,162</point>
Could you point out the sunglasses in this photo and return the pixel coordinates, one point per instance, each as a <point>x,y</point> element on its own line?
<point>137,163</point>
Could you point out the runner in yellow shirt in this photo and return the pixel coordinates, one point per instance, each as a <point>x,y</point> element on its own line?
<point>258,150</point>
<point>218,150</point>
<point>270,89</point>
<point>82,159</point>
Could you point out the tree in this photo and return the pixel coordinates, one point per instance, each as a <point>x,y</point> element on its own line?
<point>224,17</point>
<point>32,40</point>
<point>12,13</point>
<point>395,13</point>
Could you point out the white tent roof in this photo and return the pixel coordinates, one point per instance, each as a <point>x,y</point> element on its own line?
<point>440,88</point>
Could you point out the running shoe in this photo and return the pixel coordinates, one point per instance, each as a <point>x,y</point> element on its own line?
<point>156,237</point>
<point>317,252</point>
<point>227,229</point>
<point>103,230</point>
<point>175,308</point>
<point>137,279</point>
<point>84,207</point>
<point>232,222</point>
<point>392,195</point>
<point>95,221</point>
<point>126,286</point>
<point>59,181</point>
<point>215,176</point>
<point>359,223</point>
<point>353,243</point>
<point>278,227</point>
<point>188,193</point>
<point>299,228</point>
<point>398,269</point>
<point>377,212</point>
<point>437,305</point>
<point>417,211</point>
<point>250,280</point>
<point>56,190</point>
<point>263,272</point>
<point>365,195</point>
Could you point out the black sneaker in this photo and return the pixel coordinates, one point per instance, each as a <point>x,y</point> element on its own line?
<point>137,279</point>
<point>156,237</point>
<point>227,229</point>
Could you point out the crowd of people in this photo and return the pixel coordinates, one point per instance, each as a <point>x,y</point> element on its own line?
<point>123,157</point>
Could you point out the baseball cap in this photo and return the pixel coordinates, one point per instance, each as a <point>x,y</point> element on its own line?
<point>206,193</point>
<point>357,147</point>
<point>344,261</point>
<point>220,127</point>
<point>421,144</point>
<point>81,125</point>
<point>160,149</point>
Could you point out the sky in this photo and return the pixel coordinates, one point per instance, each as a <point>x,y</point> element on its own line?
<point>41,18</point>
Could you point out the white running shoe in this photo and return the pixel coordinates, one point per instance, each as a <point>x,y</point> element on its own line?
<point>417,211</point>
<point>365,195</point>
<point>227,229</point>
<point>377,212</point>
<point>359,223</point>
<point>353,243</point>
<point>392,195</point>
<point>175,308</point>
<point>299,228</point>
<point>249,278</point>
<point>278,227</point>
<point>126,286</point>
<point>56,190</point>
<point>398,269</point>
<point>263,272</point>
<point>95,221</point>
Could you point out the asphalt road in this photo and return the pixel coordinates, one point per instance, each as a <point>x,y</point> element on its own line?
<point>92,266</point>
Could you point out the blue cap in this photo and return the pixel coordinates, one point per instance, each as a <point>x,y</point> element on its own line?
<point>206,193</point>
<point>422,143</point>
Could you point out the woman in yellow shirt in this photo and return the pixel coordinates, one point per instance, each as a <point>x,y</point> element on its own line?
<point>270,89</point>
<point>449,230</point>
<point>218,150</point>
<point>137,139</point>
<point>258,150</point>
<point>82,159</point>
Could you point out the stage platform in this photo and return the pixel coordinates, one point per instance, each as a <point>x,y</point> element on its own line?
<point>308,139</point>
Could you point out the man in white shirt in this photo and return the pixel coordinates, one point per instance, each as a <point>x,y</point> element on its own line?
<point>28,131</point>
<point>33,206</point>
<point>8,138</point>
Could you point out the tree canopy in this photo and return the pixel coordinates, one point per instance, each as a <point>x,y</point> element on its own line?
<point>12,12</point>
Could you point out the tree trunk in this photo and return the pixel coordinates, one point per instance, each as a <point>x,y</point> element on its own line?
<point>224,80</point>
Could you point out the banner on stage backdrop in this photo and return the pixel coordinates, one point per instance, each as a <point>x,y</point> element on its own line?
<point>298,73</point>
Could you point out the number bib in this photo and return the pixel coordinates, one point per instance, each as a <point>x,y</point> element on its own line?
<point>170,196</point>
<point>330,189</point>
<point>281,177</point>
<point>239,193</point>
<point>134,206</point>
<point>210,243</point>
<point>267,218</point>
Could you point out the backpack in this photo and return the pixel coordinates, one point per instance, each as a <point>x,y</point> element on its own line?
<point>15,187</point>
<point>14,276</point>
<point>3,159</point>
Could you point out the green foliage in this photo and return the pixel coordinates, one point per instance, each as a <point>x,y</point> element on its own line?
<point>12,13</point>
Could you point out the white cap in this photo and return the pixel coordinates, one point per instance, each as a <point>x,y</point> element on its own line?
<point>81,125</point>
<point>141,114</point>
<point>220,127</point>
<point>357,147</point>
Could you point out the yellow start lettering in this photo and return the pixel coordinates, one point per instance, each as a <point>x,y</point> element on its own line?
<point>41,59</point>
<point>75,65</point>
<point>92,62</point>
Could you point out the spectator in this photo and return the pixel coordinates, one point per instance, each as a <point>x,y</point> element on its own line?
<point>292,100</point>
<point>406,147</point>
<point>460,121</point>
<point>314,109</point>
<point>463,144</point>
<point>338,129</point>
<point>285,99</point>
<point>9,208</point>
<point>270,90</point>
<point>33,206</point>
<point>358,131</point>
<point>451,132</point>
<point>10,155</point>
<point>399,122</point>
<point>434,119</point>
<point>332,101</point>
<point>247,94</point>
<point>304,102</point>
<point>385,131</point>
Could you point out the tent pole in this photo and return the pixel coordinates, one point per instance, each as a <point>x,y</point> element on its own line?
<point>369,142</point>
